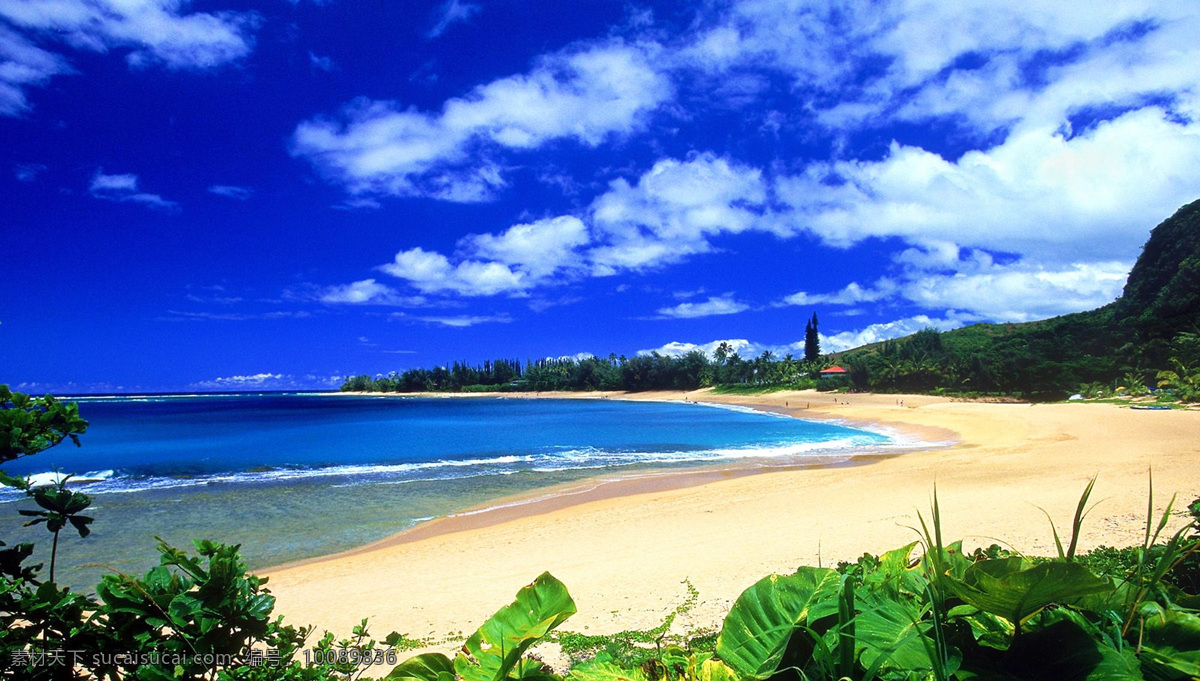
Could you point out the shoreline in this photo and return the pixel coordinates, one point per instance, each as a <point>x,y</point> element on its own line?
<point>624,557</point>
<point>907,438</point>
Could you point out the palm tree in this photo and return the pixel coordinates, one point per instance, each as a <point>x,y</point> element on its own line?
<point>1185,381</point>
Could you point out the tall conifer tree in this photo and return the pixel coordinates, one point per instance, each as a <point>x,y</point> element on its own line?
<point>812,343</point>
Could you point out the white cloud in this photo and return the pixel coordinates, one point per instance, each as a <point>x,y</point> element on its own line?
<point>368,292</point>
<point>360,203</point>
<point>875,333</point>
<point>577,357</point>
<point>432,273</point>
<point>722,305</point>
<point>452,12</point>
<point>269,381</point>
<point>979,288</point>
<point>836,342</point>
<point>540,249</point>
<point>1023,62</point>
<point>113,183</point>
<point>153,32</point>
<point>852,294</point>
<point>124,189</point>
<point>1020,293</point>
<point>382,147</point>
<point>251,380</point>
<point>673,210</point>
<point>678,349</point>
<point>229,191</point>
<point>1064,198</point>
<point>23,64</point>
<point>457,321</point>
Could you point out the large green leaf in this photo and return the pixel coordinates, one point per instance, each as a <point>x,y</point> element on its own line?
<point>1009,588</point>
<point>427,667</point>
<point>1069,650</point>
<point>893,630</point>
<point>1171,644</point>
<point>714,670</point>
<point>757,630</point>
<point>604,671</point>
<point>492,651</point>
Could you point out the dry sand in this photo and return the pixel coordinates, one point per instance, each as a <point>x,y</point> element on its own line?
<point>625,549</point>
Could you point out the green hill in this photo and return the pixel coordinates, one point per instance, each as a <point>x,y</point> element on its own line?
<point>1156,320</point>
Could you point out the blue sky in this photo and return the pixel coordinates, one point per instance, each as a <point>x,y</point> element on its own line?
<point>213,195</point>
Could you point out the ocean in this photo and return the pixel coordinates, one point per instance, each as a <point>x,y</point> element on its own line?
<point>292,476</point>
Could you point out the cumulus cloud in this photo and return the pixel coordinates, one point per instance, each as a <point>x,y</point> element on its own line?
<point>431,272</point>
<point>993,66</point>
<point>852,294</point>
<point>124,188</point>
<point>151,31</point>
<point>672,211</point>
<point>874,333</point>
<point>1040,191</point>
<point>722,305</point>
<point>539,249</point>
<point>1020,293</point>
<point>386,148</point>
<point>368,292</point>
<point>986,291</point>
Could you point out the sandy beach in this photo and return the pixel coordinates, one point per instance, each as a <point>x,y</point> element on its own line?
<point>625,549</point>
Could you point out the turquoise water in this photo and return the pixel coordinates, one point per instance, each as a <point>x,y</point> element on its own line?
<point>294,476</point>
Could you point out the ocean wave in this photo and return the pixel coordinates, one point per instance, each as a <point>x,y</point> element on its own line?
<point>549,460</point>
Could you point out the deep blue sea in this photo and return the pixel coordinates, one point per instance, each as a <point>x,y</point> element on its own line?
<point>292,476</point>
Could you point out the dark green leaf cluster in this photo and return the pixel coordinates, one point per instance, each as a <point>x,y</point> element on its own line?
<point>29,425</point>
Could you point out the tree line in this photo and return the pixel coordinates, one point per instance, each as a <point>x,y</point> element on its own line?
<point>653,371</point>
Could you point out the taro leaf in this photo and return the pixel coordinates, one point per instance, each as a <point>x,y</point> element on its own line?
<point>714,670</point>
<point>1066,651</point>
<point>896,562</point>
<point>492,651</point>
<point>530,669</point>
<point>757,630</point>
<point>427,667</point>
<point>1006,587</point>
<point>604,671</point>
<point>894,576</point>
<point>987,629</point>
<point>892,630</point>
<point>1171,644</point>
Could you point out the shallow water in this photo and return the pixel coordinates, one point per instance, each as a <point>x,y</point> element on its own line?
<point>295,476</point>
